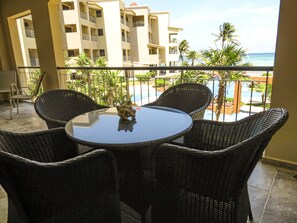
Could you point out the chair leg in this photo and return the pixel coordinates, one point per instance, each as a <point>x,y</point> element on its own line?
<point>143,218</point>
<point>18,106</point>
<point>10,103</point>
<point>251,218</point>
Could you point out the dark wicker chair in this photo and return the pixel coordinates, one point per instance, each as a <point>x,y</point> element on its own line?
<point>191,98</point>
<point>57,107</point>
<point>206,180</point>
<point>46,181</point>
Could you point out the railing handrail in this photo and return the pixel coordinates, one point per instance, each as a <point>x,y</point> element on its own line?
<point>214,68</point>
<point>210,68</point>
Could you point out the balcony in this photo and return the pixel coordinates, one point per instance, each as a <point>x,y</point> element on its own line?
<point>276,200</point>
<point>265,180</point>
<point>83,15</point>
<point>263,185</point>
<point>92,18</point>
<point>85,36</point>
<point>138,24</point>
<point>94,38</point>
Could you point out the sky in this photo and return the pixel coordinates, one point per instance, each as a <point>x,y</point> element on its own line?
<point>255,21</point>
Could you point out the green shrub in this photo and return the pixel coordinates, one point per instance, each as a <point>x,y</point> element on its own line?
<point>161,82</point>
<point>143,77</point>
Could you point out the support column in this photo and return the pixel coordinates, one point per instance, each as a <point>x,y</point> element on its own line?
<point>48,41</point>
<point>283,147</point>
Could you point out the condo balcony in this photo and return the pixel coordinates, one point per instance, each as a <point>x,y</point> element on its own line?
<point>85,36</point>
<point>265,181</point>
<point>238,93</point>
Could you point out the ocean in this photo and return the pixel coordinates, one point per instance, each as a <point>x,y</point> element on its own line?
<point>260,59</point>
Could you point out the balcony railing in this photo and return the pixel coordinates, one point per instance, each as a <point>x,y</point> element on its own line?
<point>85,36</point>
<point>138,23</point>
<point>92,18</point>
<point>111,85</point>
<point>83,15</point>
<point>122,21</point>
<point>94,38</point>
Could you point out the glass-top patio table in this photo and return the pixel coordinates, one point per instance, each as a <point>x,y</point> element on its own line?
<point>151,125</point>
<point>132,142</point>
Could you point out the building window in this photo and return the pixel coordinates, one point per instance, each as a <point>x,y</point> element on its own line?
<point>123,35</point>
<point>124,55</point>
<point>100,32</point>
<point>98,13</point>
<point>138,21</point>
<point>102,53</point>
<point>70,28</point>
<point>67,5</point>
<point>172,50</point>
<point>73,53</point>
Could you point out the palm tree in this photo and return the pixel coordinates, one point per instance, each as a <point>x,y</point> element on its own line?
<point>226,34</point>
<point>183,48</point>
<point>101,62</point>
<point>229,54</point>
<point>110,88</point>
<point>193,55</point>
<point>83,60</point>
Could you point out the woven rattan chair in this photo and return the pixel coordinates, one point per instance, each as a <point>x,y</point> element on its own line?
<point>57,107</point>
<point>191,98</point>
<point>46,181</point>
<point>206,180</point>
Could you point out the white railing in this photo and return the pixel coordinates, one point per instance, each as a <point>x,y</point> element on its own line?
<point>92,18</point>
<point>85,36</point>
<point>94,38</point>
<point>83,15</point>
<point>138,23</point>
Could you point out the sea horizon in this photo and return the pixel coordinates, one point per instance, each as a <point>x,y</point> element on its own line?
<point>260,59</point>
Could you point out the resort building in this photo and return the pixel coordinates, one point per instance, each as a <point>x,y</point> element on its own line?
<point>124,36</point>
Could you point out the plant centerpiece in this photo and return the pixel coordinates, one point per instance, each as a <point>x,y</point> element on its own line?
<point>126,110</point>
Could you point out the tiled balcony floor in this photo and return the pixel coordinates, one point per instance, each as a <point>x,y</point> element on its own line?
<point>273,190</point>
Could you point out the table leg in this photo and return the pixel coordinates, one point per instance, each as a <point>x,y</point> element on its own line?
<point>135,178</point>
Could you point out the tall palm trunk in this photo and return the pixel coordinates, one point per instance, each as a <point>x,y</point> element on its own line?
<point>220,99</point>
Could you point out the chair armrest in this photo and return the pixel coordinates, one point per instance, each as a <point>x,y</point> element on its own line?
<point>14,89</point>
<point>51,121</point>
<point>214,135</point>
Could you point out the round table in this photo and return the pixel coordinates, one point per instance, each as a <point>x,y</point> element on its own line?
<point>132,142</point>
<point>151,125</point>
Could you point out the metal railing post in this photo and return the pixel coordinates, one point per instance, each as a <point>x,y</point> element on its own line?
<point>127,72</point>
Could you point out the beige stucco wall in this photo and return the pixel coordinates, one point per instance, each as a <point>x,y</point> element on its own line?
<point>112,32</point>
<point>50,54</point>
<point>140,37</point>
<point>283,146</point>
